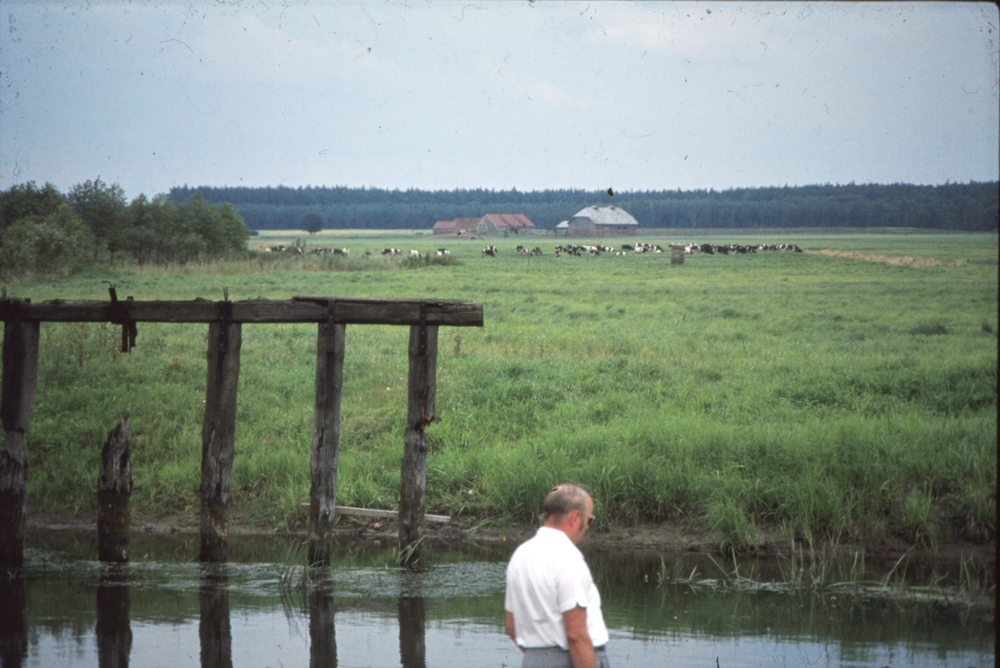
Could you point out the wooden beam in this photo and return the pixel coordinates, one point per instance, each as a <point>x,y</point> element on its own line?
<point>379,514</point>
<point>350,310</point>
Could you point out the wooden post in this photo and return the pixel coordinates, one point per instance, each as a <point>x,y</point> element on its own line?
<point>114,489</point>
<point>20,374</point>
<point>218,436</point>
<point>419,414</point>
<point>325,439</point>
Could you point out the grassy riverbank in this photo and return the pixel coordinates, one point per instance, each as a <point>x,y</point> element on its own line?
<point>846,395</point>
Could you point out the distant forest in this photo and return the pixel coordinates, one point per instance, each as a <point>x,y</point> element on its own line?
<point>953,206</point>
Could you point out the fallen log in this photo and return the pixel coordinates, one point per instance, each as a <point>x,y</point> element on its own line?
<point>387,514</point>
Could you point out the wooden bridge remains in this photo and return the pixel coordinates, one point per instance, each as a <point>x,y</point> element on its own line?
<point>225,320</point>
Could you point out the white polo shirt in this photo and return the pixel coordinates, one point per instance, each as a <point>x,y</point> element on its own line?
<point>547,576</point>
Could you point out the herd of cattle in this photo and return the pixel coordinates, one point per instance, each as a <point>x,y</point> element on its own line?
<point>641,248</point>
<point>638,248</point>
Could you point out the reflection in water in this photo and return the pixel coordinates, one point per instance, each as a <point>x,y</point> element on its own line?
<point>114,628</point>
<point>213,628</point>
<point>450,614</point>
<point>13,620</point>
<point>322,635</point>
<point>412,648</point>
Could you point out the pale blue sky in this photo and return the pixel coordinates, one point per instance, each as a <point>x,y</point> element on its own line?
<point>442,95</point>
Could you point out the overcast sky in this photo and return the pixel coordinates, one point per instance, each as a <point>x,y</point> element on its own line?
<point>532,95</point>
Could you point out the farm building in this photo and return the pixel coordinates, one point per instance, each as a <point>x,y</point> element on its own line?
<point>601,221</point>
<point>504,222</point>
<point>456,226</point>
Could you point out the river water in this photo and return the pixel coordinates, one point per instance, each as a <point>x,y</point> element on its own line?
<point>262,609</point>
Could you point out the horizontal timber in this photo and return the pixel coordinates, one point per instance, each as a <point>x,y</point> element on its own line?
<point>347,310</point>
<point>387,514</point>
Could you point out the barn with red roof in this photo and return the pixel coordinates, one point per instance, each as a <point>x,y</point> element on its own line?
<point>504,222</point>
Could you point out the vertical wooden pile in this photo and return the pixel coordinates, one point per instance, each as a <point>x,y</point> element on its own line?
<point>218,434</point>
<point>326,437</point>
<point>20,374</point>
<point>114,491</point>
<point>419,414</point>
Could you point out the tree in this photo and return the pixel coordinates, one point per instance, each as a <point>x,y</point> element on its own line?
<point>102,208</point>
<point>28,200</point>
<point>311,222</point>
<point>53,244</point>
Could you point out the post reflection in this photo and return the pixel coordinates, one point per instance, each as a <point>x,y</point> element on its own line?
<point>114,628</point>
<point>412,648</point>
<point>214,629</point>
<point>322,635</point>
<point>13,619</point>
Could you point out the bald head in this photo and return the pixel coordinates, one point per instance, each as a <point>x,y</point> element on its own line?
<point>562,500</point>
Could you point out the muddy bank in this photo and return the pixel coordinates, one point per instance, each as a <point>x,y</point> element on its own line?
<point>661,538</point>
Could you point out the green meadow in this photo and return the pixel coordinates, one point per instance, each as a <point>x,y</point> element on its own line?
<point>848,395</point>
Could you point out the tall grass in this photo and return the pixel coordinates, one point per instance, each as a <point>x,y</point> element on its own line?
<point>812,396</point>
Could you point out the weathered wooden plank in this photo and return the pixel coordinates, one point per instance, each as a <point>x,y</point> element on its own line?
<point>114,492</point>
<point>218,437</point>
<point>20,372</point>
<point>421,389</point>
<point>379,514</point>
<point>325,439</point>
<point>448,313</point>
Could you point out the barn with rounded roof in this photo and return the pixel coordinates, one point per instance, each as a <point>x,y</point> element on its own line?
<point>602,221</point>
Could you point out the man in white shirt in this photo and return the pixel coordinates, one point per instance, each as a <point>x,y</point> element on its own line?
<point>553,608</point>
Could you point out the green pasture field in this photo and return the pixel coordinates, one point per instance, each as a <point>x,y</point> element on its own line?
<point>804,395</point>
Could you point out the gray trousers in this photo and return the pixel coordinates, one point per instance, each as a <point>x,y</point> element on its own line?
<point>556,657</point>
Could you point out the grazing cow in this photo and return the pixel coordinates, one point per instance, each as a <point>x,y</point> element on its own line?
<point>414,253</point>
<point>390,251</point>
<point>490,251</point>
<point>441,252</point>
<point>282,249</point>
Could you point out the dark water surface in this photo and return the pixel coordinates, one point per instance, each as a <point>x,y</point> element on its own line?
<point>165,609</point>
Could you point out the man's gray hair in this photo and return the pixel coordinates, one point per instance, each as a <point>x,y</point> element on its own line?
<point>564,499</point>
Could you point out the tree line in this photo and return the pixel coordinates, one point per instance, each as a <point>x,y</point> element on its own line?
<point>953,206</point>
<point>44,231</point>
